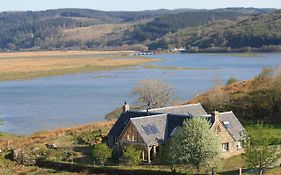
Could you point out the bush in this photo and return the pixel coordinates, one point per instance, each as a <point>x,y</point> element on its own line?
<point>231,80</point>
<point>131,156</point>
<point>101,153</point>
<point>114,114</point>
<point>90,138</point>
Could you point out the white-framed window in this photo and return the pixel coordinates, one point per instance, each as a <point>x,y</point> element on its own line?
<point>133,137</point>
<point>225,147</point>
<point>128,137</point>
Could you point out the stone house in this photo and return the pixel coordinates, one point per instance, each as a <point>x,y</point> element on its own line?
<point>148,130</point>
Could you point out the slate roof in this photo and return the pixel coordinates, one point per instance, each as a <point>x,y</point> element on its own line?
<point>236,129</point>
<point>176,120</point>
<point>160,121</point>
<point>165,124</point>
<point>167,119</point>
<point>122,121</point>
<point>193,109</point>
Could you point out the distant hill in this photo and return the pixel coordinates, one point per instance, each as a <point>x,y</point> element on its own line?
<point>261,32</point>
<point>44,29</point>
<point>173,22</point>
<point>86,28</point>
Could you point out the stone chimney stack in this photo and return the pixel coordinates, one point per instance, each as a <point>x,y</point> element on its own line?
<point>216,115</point>
<point>126,107</point>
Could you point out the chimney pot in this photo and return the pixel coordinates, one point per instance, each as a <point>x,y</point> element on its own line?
<point>126,107</point>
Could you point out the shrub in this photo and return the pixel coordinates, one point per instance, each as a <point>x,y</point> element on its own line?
<point>131,156</point>
<point>90,138</point>
<point>231,80</point>
<point>102,153</point>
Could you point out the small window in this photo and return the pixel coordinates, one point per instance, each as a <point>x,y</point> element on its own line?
<point>225,147</point>
<point>218,129</point>
<point>128,137</point>
<point>239,146</point>
<point>133,137</point>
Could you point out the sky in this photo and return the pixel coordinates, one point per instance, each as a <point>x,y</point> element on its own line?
<point>131,5</point>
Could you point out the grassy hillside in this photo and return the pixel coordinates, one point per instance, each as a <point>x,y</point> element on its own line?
<point>246,34</point>
<point>254,100</point>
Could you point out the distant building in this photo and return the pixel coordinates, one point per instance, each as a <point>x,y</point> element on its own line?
<point>148,130</point>
<point>146,52</point>
<point>180,49</point>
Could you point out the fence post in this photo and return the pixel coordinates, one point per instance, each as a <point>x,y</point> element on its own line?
<point>240,171</point>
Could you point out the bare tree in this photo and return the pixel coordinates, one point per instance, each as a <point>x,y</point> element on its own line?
<point>154,93</point>
<point>218,99</point>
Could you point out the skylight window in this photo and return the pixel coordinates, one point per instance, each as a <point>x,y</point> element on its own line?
<point>147,129</point>
<point>150,129</point>
<point>227,124</point>
<point>154,129</point>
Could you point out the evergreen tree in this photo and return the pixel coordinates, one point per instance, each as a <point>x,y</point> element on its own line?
<point>131,156</point>
<point>102,153</point>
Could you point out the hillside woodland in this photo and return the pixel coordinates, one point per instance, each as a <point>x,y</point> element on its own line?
<point>245,33</point>
<point>93,29</point>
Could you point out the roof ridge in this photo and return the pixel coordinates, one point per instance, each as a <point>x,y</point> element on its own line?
<point>148,116</point>
<point>180,106</point>
<point>227,112</point>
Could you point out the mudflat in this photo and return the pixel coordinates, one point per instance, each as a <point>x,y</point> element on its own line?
<point>28,65</point>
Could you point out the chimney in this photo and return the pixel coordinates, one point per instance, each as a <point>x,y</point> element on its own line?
<point>126,107</point>
<point>216,115</point>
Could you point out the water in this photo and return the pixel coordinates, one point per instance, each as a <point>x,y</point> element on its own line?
<point>49,103</point>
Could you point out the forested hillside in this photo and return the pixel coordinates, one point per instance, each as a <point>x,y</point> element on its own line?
<point>87,29</point>
<point>172,23</point>
<point>44,29</point>
<point>258,32</point>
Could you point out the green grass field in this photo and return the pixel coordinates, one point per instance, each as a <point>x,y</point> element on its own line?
<point>273,131</point>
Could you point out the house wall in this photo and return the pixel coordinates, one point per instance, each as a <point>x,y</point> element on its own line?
<point>130,134</point>
<point>226,138</point>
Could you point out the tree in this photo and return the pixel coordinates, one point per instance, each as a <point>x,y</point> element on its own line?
<point>265,73</point>
<point>154,93</point>
<point>101,153</point>
<point>114,114</point>
<point>216,100</point>
<point>195,144</point>
<point>131,156</point>
<point>268,92</point>
<point>259,154</point>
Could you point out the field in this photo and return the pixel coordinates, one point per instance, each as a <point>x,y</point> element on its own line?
<point>28,65</point>
<point>93,32</point>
